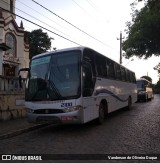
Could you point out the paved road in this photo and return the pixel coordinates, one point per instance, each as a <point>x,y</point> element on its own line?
<point>133,132</point>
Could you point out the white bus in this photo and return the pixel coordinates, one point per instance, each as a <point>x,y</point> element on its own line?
<point>145,91</point>
<point>76,85</point>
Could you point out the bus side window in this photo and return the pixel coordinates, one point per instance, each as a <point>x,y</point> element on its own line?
<point>128,76</point>
<point>89,56</point>
<point>101,66</point>
<point>123,74</point>
<point>134,77</point>
<point>110,68</point>
<point>88,85</point>
<point>118,71</point>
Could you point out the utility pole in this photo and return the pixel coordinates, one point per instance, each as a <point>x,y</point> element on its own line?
<point>120,61</point>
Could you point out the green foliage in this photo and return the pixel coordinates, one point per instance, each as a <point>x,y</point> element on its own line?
<point>157,87</point>
<point>143,32</point>
<point>39,42</point>
<point>157,67</point>
<point>147,78</point>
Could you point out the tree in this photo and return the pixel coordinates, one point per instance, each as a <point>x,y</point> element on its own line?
<point>39,42</point>
<point>157,67</point>
<point>157,87</point>
<point>147,78</point>
<point>143,31</point>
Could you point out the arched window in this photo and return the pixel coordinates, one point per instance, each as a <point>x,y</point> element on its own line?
<point>11,42</point>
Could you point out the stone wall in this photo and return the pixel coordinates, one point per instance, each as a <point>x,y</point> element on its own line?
<point>11,105</point>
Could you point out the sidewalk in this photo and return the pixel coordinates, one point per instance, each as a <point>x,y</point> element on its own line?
<point>16,127</point>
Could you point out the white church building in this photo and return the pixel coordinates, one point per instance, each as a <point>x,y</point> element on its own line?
<point>12,35</point>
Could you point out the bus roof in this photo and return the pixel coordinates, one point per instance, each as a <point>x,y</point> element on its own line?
<point>143,79</point>
<point>81,48</point>
<point>60,50</point>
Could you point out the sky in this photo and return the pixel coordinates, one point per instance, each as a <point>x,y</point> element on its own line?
<point>100,20</point>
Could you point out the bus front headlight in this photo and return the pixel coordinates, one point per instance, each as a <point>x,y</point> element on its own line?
<point>71,109</point>
<point>29,110</point>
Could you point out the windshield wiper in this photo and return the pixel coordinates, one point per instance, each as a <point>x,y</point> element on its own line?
<point>49,89</point>
<point>54,89</point>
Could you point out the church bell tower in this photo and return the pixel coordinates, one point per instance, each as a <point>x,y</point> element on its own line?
<point>13,36</point>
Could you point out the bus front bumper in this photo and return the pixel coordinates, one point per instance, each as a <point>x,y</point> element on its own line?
<point>63,118</point>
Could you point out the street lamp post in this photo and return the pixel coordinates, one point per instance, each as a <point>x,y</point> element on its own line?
<point>120,60</point>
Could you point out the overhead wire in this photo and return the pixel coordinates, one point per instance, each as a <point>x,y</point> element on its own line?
<point>42,21</point>
<point>37,19</point>
<point>72,24</point>
<point>84,10</point>
<point>54,28</point>
<point>41,26</point>
<point>91,4</point>
<point>93,17</point>
<point>95,8</point>
<point>43,15</point>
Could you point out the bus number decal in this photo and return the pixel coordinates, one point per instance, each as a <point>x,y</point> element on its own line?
<point>66,104</point>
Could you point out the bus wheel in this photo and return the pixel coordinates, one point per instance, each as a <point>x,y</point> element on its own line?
<point>101,117</point>
<point>129,103</point>
<point>146,99</point>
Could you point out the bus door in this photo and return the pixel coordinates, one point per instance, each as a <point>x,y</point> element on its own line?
<point>89,101</point>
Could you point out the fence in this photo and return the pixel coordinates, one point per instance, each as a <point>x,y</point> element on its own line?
<point>11,84</point>
<point>11,98</point>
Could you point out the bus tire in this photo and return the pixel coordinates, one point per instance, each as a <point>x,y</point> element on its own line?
<point>149,99</point>
<point>129,103</point>
<point>101,117</point>
<point>146,99</point>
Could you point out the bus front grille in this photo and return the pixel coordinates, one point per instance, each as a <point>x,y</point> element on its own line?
<point>48,111</point>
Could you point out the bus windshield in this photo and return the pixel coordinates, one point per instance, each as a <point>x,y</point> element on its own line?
<point>54,77</point>
<point>141,85</point>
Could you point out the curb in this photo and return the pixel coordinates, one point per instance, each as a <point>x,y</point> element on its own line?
<point>21,131</point>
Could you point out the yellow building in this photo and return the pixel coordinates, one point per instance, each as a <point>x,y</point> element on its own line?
<point>12,35</point>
